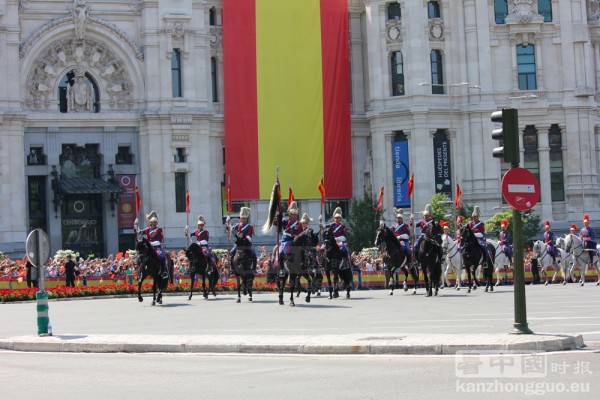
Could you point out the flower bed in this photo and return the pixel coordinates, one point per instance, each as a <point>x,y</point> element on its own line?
<point>58,292</point>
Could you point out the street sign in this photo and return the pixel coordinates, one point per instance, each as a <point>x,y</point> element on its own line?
<point>520,188</point>
<point>37,247</point>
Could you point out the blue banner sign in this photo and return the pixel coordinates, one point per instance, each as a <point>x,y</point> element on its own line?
<point>401,173</point>
<point>443,173</point>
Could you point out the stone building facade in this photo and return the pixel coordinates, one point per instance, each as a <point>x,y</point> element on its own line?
<point>98,97</point>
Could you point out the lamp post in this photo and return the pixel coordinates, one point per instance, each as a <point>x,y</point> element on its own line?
<point>450,87</point>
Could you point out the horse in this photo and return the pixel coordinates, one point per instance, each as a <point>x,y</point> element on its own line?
<point>149,264</point>
<point>429,258</point>
<point>567,260</point>
<point>473,256</point>
<point>451,254</point>
<point>500,260</point>
<point>201,266</point>
<point>334,261</point>
<point>582,258</point>
<point>243,265</point>
<point>297,263</point>
<point>394,258</point>
<point>545,260</point>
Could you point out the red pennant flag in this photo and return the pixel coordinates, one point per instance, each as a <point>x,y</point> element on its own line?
<point>278,195</point>
<point>458,195</point>
<point>322,190</point>
<point>290,196</point>
<point>411,185</point>
<point>380,200</point>
<point>187,202</point>
<point>138,201</point>
<point>229,204</point>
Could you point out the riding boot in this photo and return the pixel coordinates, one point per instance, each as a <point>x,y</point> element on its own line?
<point>164,273</point>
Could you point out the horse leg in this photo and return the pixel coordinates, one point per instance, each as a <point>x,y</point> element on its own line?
<point>192,275</point>
<point>154,292</point>
<point>293,282</point>
<point>391,282</point>
<point>282,280</point>
<point>336,277</point>
<point>140,298</point>
<point>249,284</point>
<point>237,280</point>
<point>583,272</point>
<point>497,271</point>
<point>330,287</point>
<point>414,271</point>
<point>468,270</point>
<point>204,287</point>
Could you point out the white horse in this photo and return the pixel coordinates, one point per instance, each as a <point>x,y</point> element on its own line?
<point>581,257</point>
<point>545,260</point>
<point>567,260</point>
<point>452,259</point>
<point>500,261</point>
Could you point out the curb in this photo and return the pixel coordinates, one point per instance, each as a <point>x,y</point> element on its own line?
<point>413,344</point>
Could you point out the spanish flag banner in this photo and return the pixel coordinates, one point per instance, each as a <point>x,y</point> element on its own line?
<point>287,96</point>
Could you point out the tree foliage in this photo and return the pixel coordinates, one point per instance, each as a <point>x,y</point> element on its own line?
<point>363,222</point>
<point>443,208</point>
<point>532,223</point>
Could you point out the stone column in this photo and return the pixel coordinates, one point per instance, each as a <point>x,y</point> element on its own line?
<point>544,168</point>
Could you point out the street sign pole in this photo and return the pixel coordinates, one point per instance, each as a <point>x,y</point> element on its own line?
<point>520,325</point>
<point>37,249</point>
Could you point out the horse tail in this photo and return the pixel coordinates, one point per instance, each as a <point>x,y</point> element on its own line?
<point>274,207</point>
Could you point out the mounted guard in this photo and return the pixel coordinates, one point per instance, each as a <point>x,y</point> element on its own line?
<point>550,240</point>
<point>588,237</point>
<point>338,229</point>
<point>424,224</point>
<point>202,236</point>
<point>290,227</point>
<point>244,228</point>
<point>478,228</point>
<point>402,232</point>
<point>504,241</point>
<point>156,238</point>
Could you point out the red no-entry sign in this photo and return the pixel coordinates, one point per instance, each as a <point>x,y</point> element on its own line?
<point>520,188</point>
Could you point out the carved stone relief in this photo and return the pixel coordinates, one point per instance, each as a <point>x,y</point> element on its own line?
<point>87,56</point>
<point>393,31</point>
<point>436,30</point>
<point>522,12</point>
<point>594,10</point>
<point>216,37</point>
<point>80,15</point>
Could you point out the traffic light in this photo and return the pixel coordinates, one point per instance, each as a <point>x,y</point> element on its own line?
<point>508,134</point>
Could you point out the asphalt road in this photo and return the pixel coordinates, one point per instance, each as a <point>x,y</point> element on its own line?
<point>572,375</point>
<point>550,309</point>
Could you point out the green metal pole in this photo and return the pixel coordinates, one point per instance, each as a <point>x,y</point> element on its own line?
<point>520,325</point>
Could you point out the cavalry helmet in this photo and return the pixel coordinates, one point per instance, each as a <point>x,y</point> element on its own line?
<point>586,218</point>
<point>504,223</point>
<point>201,220</point>
<point>427,210</point>
<point>305,218</point>
<point>337,212</point>
<point>399,212</point>
<point>152,217</point>
<point>476,212</point>
<point>293,208</point>
<point>245,212</point>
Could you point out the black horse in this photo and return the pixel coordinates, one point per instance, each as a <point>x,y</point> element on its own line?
<point>201,266</point>
<point>336,262</point>
<point>430,259</point>
<point>297,263</point>
<point>473,256</point>
<point>243,265</point>
<point>149,264</point>
<point>394,258</point>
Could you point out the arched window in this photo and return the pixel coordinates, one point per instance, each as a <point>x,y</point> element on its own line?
<point>433,10</point>
<point>437,72</point>
<point>500,10</point>
<point>78,91</point>
<point>214,79</point>
<point>545,9</point>
<point>394,11</point>
<point>397,74</point>
<point>531,156</point>
<point>212,16</point>
<point>557,180</point>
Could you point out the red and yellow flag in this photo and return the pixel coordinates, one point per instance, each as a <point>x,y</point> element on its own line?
<point>286,79</point>
<point>411,185</point>
<point>187,202</point>
<point>458,195</point>
<point>321,188</point>
<point>290,196</point>
<point>380,200</point>
<point>138,201</point>
<point>229,202</point>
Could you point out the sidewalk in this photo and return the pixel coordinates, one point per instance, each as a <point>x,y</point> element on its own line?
<point>431,344</point>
